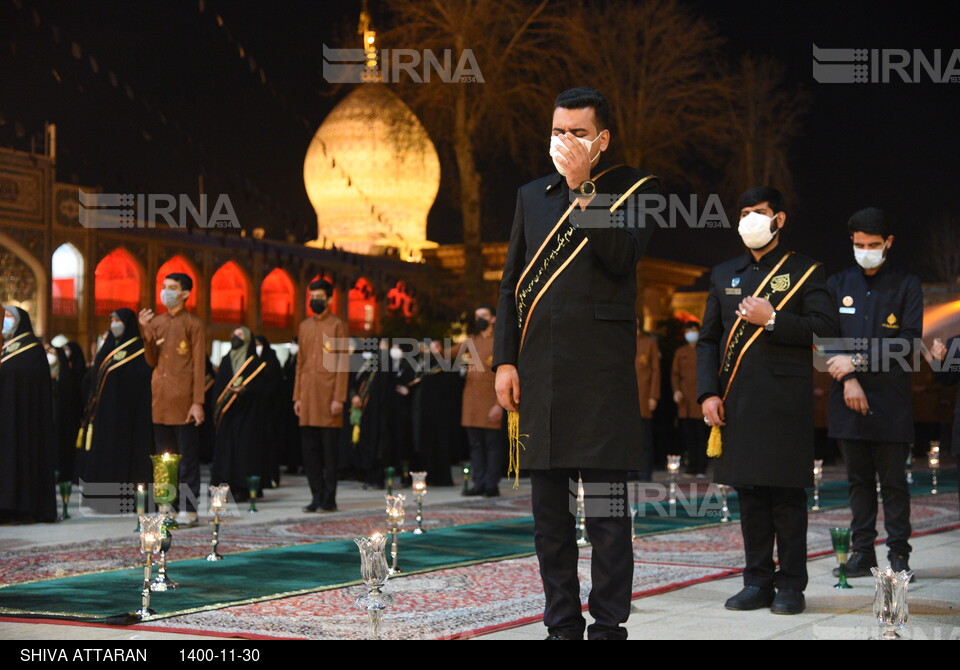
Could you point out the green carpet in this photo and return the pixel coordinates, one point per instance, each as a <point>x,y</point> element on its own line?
<point>268,574</point>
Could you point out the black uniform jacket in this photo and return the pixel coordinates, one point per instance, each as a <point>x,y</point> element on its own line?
<point>579,404</point>
<point>768,438</point>
<point>880,308</point>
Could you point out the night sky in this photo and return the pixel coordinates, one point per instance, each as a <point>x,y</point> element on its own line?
<point>198,107</point>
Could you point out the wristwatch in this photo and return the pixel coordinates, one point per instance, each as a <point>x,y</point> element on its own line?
<point>769,325</point>
<point>586,189</point>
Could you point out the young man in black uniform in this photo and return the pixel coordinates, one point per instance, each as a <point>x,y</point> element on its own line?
<point>871,403</point>
<point>754,383</point>
<point>569,282</point>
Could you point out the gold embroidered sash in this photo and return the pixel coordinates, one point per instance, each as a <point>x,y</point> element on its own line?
<point>228,397</point>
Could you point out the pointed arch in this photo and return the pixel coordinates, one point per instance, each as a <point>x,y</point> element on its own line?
<point>276,299</point>
<point>117,281</point>
<point>229,294</point>
<point>66,273</point>
<point>363,310</point>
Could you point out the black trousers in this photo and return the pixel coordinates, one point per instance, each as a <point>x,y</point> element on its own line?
<point>555,537</point>
<point>488,454</point>
<point>321,452</point>
<point>771,514</point>
<point>184,440</point>
<point>693,435</point>
<point>866,461</point>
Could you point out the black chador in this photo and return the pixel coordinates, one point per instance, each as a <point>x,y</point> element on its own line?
<point>245,392</point>
<point>116,437</point>
<point>27,440</point>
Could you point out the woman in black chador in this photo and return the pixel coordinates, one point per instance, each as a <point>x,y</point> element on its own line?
<point>27,440</point>
<point>116,437</point>
<point>244,395</point>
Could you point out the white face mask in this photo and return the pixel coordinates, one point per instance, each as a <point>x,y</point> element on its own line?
<point>755,230</point>
<point>116,327</point>
<point>556,143</point>
<point>52,359</point>
<point>691,336</point>
<point>367,355</point>
<point>259,349</point>
<point>8,325</point>
<point>170,298</point>
<point>869,259</point>
<point>395,353</point>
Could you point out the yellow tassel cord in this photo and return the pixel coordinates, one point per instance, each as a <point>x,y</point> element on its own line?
<point>89,436</point>
<point>80,439</point>
<point>715,443</point>
<point>355,438</point>
<point>513,435</point>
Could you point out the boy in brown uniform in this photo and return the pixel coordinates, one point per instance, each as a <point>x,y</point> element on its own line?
<point>683,375</point>
<point>319,391</point>
<point>174,344</point>
<point>482,415</point>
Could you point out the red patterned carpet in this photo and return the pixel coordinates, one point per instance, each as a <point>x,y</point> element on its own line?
<point>453,603</point>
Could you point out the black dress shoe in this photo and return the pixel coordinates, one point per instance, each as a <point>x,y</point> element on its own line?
<point>473,492</point>
<point>751,598</point>
<point>311,508</point>
<point>858,565</point>
<point>788,601</point>
<point>557,636</point>
<point>491,493</point>
<point>900,563</point>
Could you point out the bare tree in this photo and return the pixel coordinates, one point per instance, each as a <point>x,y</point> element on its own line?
<point>941,247</point>
<point>763,119</point>
<point>658,66</point>
<point>513,45</point>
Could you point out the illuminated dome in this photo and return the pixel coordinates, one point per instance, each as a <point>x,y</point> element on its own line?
<point>372,174</point>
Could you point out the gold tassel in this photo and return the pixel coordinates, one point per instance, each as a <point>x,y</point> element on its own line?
<point>715,443</point>
<point>513,436</point>
<point>80,438</point>
<point>356,434</point>
<point>89,435</point>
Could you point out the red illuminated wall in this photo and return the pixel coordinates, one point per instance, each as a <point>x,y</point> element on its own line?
<point>276,299</point>
<point>229,293</point>
<point>334,299</point>
<point>177,264</point>
<point>116,283</point>
<point>360,297</point>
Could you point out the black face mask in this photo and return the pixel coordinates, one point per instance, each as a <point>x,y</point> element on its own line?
<point>236,342</point>
<point>318,305</point>
<point>482,324</point>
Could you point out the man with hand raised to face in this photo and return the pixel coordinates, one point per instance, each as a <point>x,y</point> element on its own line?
<point>569,283</point>
<point>175,345</point>
<point>754,384</point>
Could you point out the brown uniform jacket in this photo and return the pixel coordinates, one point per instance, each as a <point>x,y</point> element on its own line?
<point>176,348</point>
<point>322,370</point>
<point>647,364</point>
<point>479,390</point>
<point>683,377</point>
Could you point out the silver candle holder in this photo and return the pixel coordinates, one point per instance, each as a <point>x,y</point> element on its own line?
<point>890,601</point>
<point>419,488</point>
<point>218,503</point>
<point>162,581</point>
<point>150,540</point>
<point>582,539</point>
<point>817,483</point>
<point>933,462</point>
<point>395,519</point>
<point>673,468</point>
<point>725,508</point>
<point>374,573</point>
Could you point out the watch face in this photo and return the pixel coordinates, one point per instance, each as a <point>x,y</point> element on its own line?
<point>588,188</point>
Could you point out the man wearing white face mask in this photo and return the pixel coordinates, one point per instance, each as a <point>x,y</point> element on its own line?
<point>569,282</point>
<point>174,343</point>
<point>754,383</point>
<point>871,402</point>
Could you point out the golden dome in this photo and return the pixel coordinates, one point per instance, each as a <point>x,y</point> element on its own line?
<point>372,174</point>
